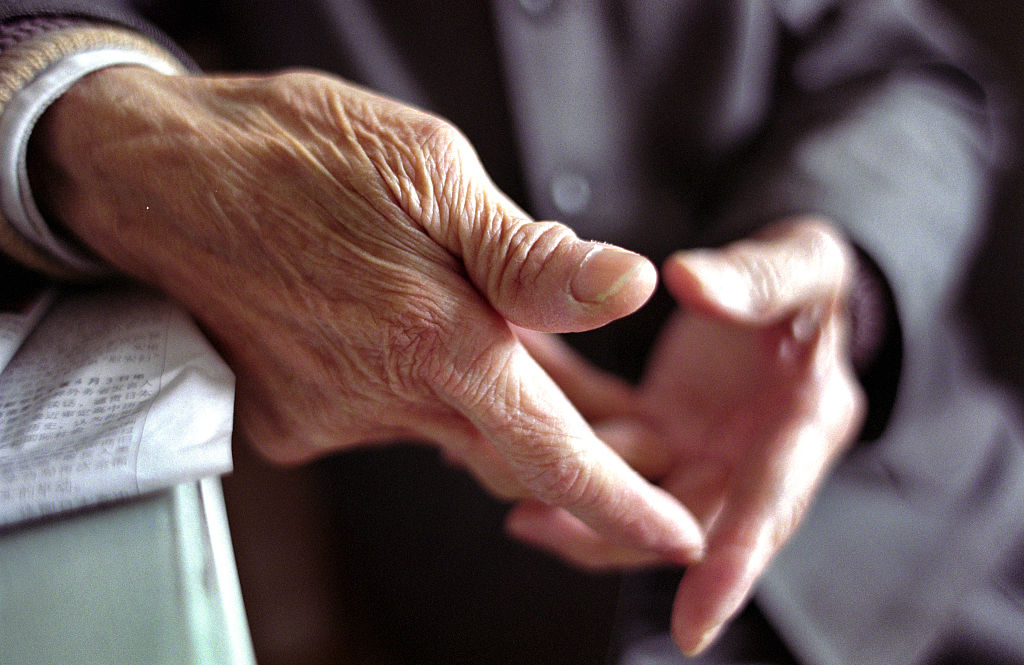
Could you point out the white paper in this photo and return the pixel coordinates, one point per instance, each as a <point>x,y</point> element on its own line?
<point>18,319</point>
<point>114,393</point>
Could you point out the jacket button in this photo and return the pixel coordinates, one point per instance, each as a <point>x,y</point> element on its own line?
<point>536,8</point>
<point>570,192</point>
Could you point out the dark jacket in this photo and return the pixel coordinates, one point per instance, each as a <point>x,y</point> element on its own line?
<point>665,125</point>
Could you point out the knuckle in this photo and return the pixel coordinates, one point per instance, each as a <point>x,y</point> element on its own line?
<point>427,350</point>
<point>425,164</point>
<point>476,376</point>
<point>437,136</point>
<point>851,407</point>
<point>819,233</point>
<point>286,84</point>
<point>787,521</point>
<point>440,144</point>
<point>593,563</point>
<point>826,250</point>
<point>292,93</point>
<point>765,277</point>
<point>520,257</point>
<point>446,155</point>
<point>562,481</point>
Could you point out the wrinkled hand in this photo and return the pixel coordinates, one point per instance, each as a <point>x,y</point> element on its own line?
<point>747,400</point>
<point>358,270</point>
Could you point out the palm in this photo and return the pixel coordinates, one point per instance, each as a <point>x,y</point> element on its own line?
<point>747,399</point>
<point>724,398</point>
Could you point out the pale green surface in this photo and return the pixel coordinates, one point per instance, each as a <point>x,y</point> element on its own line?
<point>128,583</point>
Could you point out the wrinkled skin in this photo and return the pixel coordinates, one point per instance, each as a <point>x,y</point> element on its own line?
<point>359,271</point>
<point>747,400</point>
<point>367,283</point>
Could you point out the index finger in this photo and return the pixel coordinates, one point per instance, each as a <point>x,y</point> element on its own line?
<point>556,455</point>
<point>765,503</point>
<point>596,394</point>
<point>760,513</point>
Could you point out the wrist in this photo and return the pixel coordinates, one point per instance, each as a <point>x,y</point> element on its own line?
<point>34,72</point>
<point>66,155</point>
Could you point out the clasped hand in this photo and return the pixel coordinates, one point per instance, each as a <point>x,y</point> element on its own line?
<point>361,274</point>
<point>747,400</point>
<point>358,270</point>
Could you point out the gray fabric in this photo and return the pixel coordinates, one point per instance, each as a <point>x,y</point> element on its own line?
<point>111,11</point>
<point>903,531</point>
<point>668,124</point>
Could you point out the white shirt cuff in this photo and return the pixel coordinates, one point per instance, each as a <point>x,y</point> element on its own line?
<point>19,117</point>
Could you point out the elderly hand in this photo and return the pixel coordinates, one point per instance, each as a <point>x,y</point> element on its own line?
<point>748,399</point>
<point>358,270</point>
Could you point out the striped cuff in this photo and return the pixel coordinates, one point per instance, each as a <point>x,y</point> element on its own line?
<point>33,73</point>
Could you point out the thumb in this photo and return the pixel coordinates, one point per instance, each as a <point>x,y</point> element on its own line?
<point>796,265</point>
<point>538,275</point>
<point>541,276</point>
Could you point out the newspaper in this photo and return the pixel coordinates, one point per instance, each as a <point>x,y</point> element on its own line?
<point>104,394</point>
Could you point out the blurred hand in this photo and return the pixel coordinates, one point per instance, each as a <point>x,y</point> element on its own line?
<point>747,401</point>
<point>358,270</point>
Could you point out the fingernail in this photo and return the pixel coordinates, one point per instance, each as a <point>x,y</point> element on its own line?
<point>703,643</point>
<point>683,542</point>
<point>806,323</point>
<point>603,273</point>
<point>685,548</point>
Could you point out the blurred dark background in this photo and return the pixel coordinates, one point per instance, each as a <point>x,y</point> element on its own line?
<point>341,561</point>
<point>994,292</point>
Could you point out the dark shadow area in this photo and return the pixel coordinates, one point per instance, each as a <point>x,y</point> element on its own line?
<point>993,298</point>
<point>388,556</point>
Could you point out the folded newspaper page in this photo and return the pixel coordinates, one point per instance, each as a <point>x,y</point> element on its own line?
<point>104,394</point>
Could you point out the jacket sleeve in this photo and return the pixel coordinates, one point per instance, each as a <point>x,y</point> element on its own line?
<point>44,48</point>
<point>122,13</point>
<point>885,122</point>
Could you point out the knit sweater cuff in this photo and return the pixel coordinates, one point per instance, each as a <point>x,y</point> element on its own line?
<point>39,60</point>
